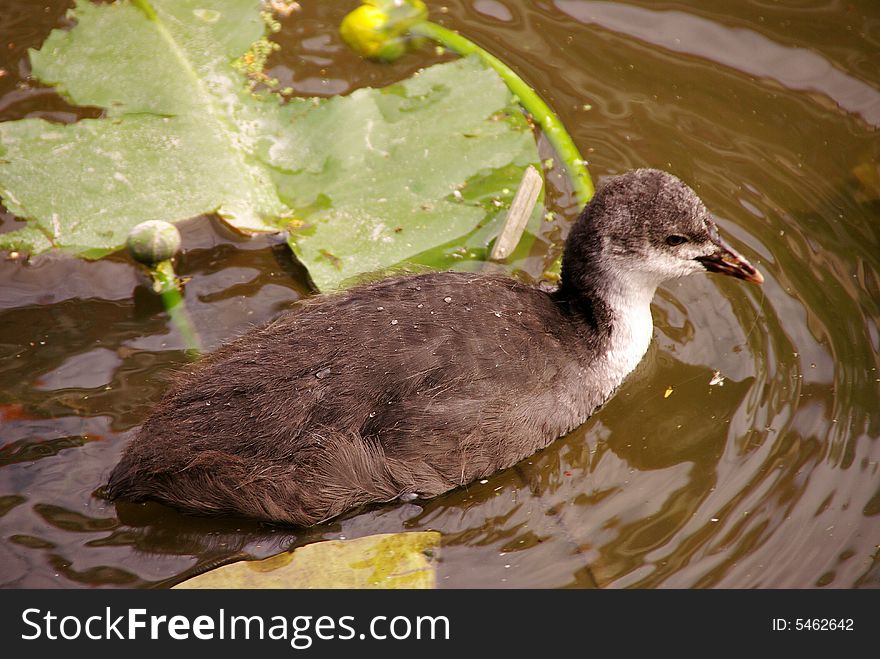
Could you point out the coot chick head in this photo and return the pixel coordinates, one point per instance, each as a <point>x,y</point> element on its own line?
<point>643,228</point>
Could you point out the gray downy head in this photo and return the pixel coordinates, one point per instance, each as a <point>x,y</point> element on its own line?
<point>645,227</point>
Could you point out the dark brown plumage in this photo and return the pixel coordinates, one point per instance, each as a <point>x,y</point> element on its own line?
<point>416,385</point>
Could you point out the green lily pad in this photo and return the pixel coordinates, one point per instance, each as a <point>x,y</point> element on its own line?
<point>173,145</point>
<point>394,560</point>
<point>381,176</point>
<point>365,182</point>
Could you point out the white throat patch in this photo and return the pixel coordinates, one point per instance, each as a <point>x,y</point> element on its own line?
<point>632,331</point>
<point>631,337</point>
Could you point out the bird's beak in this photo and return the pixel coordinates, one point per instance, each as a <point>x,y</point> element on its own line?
<point>727,261</point>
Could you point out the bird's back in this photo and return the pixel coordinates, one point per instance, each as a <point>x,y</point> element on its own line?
<point>406,385</point>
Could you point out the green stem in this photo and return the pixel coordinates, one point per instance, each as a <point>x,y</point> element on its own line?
<point>528,98</point>
<point>165,283</point>
<point>147,8</point>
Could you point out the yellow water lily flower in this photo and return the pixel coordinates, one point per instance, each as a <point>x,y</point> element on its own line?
<point>377,29</point>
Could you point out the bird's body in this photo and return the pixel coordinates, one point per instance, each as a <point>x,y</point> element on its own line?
<point>413,385</point>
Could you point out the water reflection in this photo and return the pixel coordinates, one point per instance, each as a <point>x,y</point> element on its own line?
<point>745,50</point>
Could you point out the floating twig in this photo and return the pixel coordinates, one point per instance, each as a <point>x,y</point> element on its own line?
<point>518,216</point>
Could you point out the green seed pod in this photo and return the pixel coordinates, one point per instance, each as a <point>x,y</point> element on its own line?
<point>153,241</point>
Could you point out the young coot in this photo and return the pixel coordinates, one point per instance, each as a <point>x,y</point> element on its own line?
<point>416,385</point>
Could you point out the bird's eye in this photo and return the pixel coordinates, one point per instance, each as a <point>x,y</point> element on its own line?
<point>676,240</point>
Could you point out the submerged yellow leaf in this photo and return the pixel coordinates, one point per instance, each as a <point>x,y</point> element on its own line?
<point>868,174</point>
<point>393,560</point>
<point>668,392</point>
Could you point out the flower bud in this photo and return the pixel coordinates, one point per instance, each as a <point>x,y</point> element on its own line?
<point>153,241</point>
<point>378,28</point>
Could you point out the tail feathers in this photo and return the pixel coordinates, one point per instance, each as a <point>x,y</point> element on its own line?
<point>330,474</point>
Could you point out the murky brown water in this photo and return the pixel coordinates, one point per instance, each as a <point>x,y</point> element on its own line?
<point>771,480</point>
